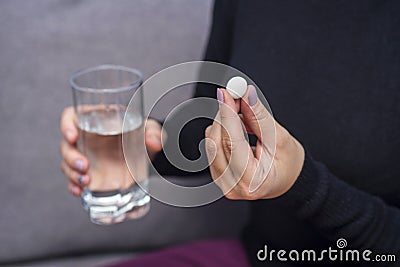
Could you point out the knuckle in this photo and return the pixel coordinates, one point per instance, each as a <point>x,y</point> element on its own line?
<point>207,131</point>
<point>225,115</point>
<point>252,196</point>
<point>64,114</point>
<point>227,143</point>
<point>150,127</point>
<point>220,170</point>
<point>68,158</point>
<point>261,113</point>
<point>246,194</point>
<point>69,110</point>
<point>73,176</point>
<point>231,195</point>
<point>210,145</point>
<point>68,172</point>
<point>153,126</point>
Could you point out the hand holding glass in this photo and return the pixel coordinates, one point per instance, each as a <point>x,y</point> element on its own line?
<point>101,96</point>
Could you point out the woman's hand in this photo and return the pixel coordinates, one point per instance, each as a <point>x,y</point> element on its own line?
<point>75,165</point>
<point>243,172</point>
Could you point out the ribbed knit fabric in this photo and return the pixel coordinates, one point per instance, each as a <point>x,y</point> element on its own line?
<point>342,211</point>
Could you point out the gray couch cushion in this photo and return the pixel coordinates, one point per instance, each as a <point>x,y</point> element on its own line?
<point>42,43</point>
<point>82,261</point>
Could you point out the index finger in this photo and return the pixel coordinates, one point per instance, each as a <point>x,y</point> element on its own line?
<point>68,125</point>
<point>229,117</point>
<point>235,146</point>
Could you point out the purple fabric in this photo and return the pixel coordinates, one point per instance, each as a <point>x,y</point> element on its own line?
<point>210,253</point>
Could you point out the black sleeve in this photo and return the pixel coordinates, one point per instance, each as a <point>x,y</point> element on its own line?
<point>218,50</point>
<point>339,210</point>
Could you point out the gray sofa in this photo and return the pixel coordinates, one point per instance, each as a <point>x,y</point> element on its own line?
<point>41,43</point>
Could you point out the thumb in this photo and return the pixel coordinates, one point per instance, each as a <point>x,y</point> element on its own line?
<point>68,125</point>
<point>153,136</point>
<point>256,116</point>
<point>231,124</point>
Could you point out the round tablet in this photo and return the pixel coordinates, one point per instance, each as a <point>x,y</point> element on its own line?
<point>237,87</point>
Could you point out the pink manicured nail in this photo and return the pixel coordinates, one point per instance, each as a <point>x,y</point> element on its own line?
<point>252,95</point>
<point>79,164</point>
<point>83,179</point>
<point>220,96</point>
<point>75,190</point>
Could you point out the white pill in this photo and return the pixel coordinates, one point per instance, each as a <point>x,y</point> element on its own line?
<point>237,87</point>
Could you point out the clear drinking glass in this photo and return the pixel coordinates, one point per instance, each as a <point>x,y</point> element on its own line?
<point>101,96</point>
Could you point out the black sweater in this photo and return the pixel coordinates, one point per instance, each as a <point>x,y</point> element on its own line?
<point>330,71</point>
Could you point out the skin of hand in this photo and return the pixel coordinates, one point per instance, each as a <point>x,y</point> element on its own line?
<point>75,165</point>
<point>249,173</point>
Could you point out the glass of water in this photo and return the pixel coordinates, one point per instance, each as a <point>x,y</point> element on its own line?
<point>101,96</point>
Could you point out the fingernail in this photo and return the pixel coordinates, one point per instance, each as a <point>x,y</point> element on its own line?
<point>252,95</point>
<point>83,179</point>
<point>70,134</point>
<point>75,190</point>
<point>79,164</point>
<point>220,96</point>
